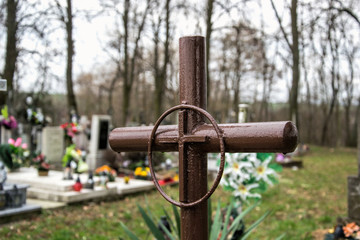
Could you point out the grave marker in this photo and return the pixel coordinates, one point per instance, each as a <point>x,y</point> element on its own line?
<point>100,127</point>
<point>193,138</point>
<point>52,141</point>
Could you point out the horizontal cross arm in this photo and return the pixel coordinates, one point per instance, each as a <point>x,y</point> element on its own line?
<point>241,137</point>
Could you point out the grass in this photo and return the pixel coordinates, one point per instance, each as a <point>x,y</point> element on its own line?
<point>304,201</point>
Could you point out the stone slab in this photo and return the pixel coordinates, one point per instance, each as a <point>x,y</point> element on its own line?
<point>354,197</point>
<point>10,214</point>
<point>45,204</point>
<point>53,182</point>
<point>72,196</point>
<point>133,186</point>
<point>54,189</point>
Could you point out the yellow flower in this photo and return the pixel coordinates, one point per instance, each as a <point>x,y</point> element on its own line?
<point>138,171</point>
<point>143,173</point>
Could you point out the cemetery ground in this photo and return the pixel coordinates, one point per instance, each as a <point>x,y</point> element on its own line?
<point>304,205</point>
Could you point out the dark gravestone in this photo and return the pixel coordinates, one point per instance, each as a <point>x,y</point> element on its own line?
<point>354,188</point>
<point>100,126</point>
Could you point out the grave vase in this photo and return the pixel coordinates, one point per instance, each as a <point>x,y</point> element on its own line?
<point>43,173</point>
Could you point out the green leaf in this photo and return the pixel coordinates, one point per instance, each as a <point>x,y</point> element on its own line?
<point>262,186</point>
<point>276,167</point>
<point>209,215</point>
<point>281,236</point>
<point>177,219</point>
<point>273,179</point>
<point>254,225</point>
<point>166,231</point>
<point>237,220</point>
<point>263,156</point>
<point>4,112</point>
<point>128,232</point>
<point>227,218</point>
<point>169,219</point>
<point>216,226</point>
<point>5,155</point>
<point>152,226</point>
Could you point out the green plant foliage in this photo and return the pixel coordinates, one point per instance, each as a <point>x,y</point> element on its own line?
<point>5,155</point>
<point>222,226</point>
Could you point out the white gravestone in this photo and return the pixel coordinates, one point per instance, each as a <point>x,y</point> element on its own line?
<point>100,128</point>
<point>53,144</point>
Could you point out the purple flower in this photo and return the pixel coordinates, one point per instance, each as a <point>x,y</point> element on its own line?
<point>9,123</point>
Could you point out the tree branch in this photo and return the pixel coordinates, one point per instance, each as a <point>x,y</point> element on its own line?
<point>281,26</point>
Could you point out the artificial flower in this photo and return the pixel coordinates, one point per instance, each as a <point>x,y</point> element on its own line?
<point>244,191</point>
<point>262,171</point>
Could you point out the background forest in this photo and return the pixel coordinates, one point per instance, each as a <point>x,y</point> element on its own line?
<point>289,60</point>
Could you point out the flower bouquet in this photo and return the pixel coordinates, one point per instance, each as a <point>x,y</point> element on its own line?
<point>9,122</point>
<point>142,173</point>
<point>344,231</point>
<point>106,174</point>
<point>248,175</point>
<point>70,129</point>
<point>14,154</point>
<point>41,164</point>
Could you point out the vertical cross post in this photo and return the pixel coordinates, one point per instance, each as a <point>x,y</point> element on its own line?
<point>192,160</point>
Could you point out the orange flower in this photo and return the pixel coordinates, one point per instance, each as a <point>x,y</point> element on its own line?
<point>350,228</point>
<point>104,168</point>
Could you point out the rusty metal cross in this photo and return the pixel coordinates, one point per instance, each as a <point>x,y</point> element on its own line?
<point>194,138</point>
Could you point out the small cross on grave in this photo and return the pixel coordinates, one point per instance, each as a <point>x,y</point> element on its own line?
<point>194,138</point>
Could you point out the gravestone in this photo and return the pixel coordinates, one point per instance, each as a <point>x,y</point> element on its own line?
<point>80,139</point>
<point>38,138</point>
<point>5,135</point>
<point>354,189</point>
<point>100,127</point>
<point>53,145</point>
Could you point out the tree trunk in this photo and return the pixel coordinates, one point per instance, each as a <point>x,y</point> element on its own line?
<point>11,52</point>
<point>293,99</point>
<point>72,106</point>
<point>209,13</point>
<point>237,74</point>
<point>160,74</point>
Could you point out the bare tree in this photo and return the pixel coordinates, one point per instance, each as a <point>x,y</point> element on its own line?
<point>160,71</point>
<point>333,43</point>
<point>350,52</point>
<point>294,49</point>
<point>12,52</point>
<point>128,42</point>
<point>66,17</point>
<point>209,30</point>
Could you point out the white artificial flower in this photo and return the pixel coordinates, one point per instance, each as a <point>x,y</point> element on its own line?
<point>236,167</point>
<point>262,171</point>
<point>243,191</point>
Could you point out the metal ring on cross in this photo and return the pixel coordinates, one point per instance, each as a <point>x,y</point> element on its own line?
<point>222,151</point>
